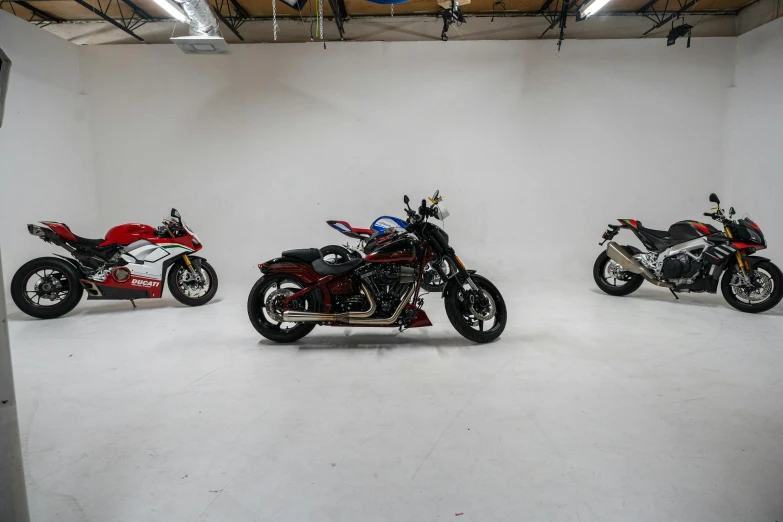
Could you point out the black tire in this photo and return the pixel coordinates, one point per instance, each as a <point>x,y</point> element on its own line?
<point>629,287</point>
<point>457,309</point>
<point>777,290</point>
<point>63,274</point>
<point>260,318</point>
<point>179,293</point>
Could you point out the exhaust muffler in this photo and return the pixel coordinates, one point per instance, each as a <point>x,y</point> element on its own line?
<point>623,258</point>
<point>359,318</point>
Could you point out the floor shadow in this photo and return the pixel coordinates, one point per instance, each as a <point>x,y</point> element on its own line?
<point>113,307</point>
<point>384,341</point>
<point>685,299</point>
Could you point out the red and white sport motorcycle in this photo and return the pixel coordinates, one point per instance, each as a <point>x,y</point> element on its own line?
<point>130,263</point>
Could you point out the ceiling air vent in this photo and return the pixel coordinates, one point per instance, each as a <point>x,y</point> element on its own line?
<point>201,44</point>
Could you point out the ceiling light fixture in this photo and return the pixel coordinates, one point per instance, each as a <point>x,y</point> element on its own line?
<point>172,9</point>
<point>593,7</point>
<point>681,30</point>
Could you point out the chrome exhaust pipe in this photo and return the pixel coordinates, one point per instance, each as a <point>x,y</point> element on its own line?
<point>383,321</point>
<point>294,316</point>
<point>362,318</point>
<point>623,258</point>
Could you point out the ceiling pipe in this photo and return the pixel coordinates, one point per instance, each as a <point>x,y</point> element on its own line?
<point>202,20</point>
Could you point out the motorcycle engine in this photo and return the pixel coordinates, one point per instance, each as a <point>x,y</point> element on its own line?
<point>680,267</point>
<point>388,283</point>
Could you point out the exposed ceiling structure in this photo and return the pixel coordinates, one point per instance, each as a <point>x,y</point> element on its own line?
<point>128,21</point>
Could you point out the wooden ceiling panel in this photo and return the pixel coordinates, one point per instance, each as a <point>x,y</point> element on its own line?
<point>70,10</point>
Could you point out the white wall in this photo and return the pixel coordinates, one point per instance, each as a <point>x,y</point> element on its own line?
<point>753,155</point>
<point>46,168</point>
<point>535,153</point>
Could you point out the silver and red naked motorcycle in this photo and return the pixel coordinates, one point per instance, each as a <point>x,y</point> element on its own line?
<point>691,257</point>
<point>300,289</point>
<point>130,262</point>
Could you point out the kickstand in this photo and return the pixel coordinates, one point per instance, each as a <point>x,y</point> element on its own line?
<point>133,303</point>
<point>673,293</point>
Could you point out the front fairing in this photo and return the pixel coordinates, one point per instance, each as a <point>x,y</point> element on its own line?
<point>748,231</point>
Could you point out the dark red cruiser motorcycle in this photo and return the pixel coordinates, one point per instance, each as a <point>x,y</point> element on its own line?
<point>300,290</point>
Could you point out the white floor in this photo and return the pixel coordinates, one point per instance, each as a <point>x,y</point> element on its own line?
<point>589,408</point>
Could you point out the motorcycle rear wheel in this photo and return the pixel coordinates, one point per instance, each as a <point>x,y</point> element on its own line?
<point>467,321</point>
<point>602,274</point>
<point>265,320</point>
<point>46,280</point>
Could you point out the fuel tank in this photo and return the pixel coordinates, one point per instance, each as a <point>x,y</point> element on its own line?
<point>128,233</point>
<point>392,248</point>
<point>687,230</point>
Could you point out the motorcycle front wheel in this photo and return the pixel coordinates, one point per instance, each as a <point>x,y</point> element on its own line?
<point>764,294</point>
<point>186,289</point>
<point>480,325</point>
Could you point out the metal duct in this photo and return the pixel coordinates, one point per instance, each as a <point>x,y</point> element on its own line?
<point>202,20</point>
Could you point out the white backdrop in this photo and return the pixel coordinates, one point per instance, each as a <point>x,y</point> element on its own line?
<point>46,169</point>
<point>754,134</point>
<point>534,153</point>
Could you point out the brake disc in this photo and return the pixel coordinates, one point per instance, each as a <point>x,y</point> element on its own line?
<point>273,302</point>
<point>487,312</point>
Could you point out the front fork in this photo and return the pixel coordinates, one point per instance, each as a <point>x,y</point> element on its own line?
<point>188,263</point>
<point>742,262</point>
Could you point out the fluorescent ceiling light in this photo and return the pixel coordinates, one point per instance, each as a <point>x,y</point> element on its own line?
<point>172,9</point>
<point>594,7</point>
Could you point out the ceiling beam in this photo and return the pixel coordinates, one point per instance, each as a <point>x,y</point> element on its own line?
<point>40,13</point>
<point>231,20</point>
<point>128,29</point>
<point>648,5</point>
<point>338,17</point>
<point>509,14</point>
<point>667,19</point>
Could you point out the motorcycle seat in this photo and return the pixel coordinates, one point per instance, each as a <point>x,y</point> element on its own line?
<point>308,255</point>
<point>93,242</point>
<point>660,234</point>
<point>325,269</point>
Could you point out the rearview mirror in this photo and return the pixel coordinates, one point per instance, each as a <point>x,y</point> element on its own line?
<point>435,196</point>
<point>406,199</point>
<point>732,211</point>
<point>714,199</point>
<point>175,213</point>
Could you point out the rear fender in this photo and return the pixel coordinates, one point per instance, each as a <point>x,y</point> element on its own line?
<point>288,265</point>
<point>71,261</point>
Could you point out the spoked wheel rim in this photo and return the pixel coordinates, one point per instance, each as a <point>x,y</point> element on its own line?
<point>46,287</point>
<point>189,285</point>
<point>486,318</point>
<point>269,302</point>
<point>614,275</point>
<point>761,291</point>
